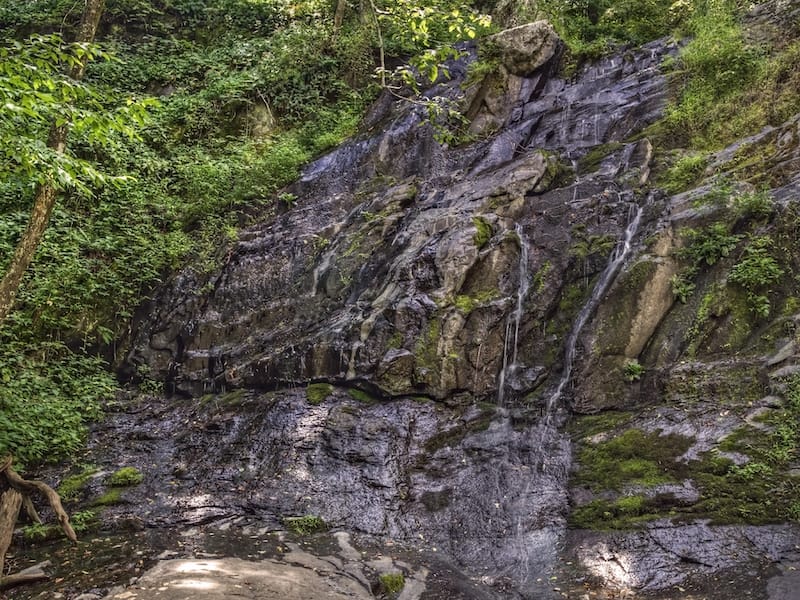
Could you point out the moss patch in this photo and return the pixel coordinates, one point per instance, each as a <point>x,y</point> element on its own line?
<point>361,396</point>
<point>126,476</point>
<point>109,498</point>
<point>625,513</point>
<point>71,486</point>
<point>466,304</point>
<point>392,583</point>
<point>634,457</point>
<point>590,161</point>
<point>305,525</point>
<point>455,435</point>
<point>317,393</point>
<point>483,232</point>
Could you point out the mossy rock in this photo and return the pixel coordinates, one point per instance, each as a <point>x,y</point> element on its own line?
<point>126,476</point>
<point>633,457</point>
<point>71,486</point>
<point>392,583</point>
<point>317,393</point>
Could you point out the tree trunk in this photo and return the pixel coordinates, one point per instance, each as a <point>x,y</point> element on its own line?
<point>46,194</point>
<point>10,502</point>
<point>338,16</point>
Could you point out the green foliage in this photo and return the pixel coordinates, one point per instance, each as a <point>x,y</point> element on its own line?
<point>632,371</point>
<point>392,583</point>
<point>203,165</point>
<point>709,244</point>
<point>592,245</point>
<point>715,69</point>
<point>36,93</point>
<point>81,522</point>
<point>754,205</point>
<point>317,393</point>
<point>756,270</point>
<point>47,394</point>
<point>686,171</point>
<point>413,26</point>
<point>126,476</point>
<point>682,286</point>
<point>305,525</point>
<point>592,27</point>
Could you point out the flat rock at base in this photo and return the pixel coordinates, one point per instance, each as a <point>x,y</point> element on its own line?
<point>201,579</point>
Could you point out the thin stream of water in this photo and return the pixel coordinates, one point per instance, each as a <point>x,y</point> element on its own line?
<point>616,260</point>
<point>512,324</point>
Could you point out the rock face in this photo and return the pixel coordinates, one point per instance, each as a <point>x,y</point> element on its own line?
<point>454,304</point>
<point>406,267</point>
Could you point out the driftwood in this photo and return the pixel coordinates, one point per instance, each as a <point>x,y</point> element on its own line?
<point>15,494</point>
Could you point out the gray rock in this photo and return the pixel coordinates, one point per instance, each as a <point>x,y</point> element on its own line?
<point>527,47</point>
<point>221,579</point>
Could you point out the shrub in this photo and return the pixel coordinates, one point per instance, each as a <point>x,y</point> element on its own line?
<point>633,371</point>
<point>708,245</point>
<point>754,272</point>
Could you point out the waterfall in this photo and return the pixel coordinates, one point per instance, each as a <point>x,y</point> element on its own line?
<point>513,321</point>
<point>615,261</point>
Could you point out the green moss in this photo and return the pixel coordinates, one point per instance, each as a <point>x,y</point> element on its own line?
<point>466,304</point>
<point>396,341</point>
<point>392,583</point>
<point>126,476</point>
<point>590,161</point>
<point>483,232</point>
<point>586,426</point>
<point>71,486</point>
<point>455,435</point>
<point>110,497</point>
<point>317,393</point>
<point>539,280</point>
<point>233,398</point>
<point>638,275</point>
<point>625,513</point>
<point>634,457</point>
<point>305,525</point>
<point>361,396</point>
<point>426,351</point>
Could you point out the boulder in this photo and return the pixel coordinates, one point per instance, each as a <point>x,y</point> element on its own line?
<point>525,48</point>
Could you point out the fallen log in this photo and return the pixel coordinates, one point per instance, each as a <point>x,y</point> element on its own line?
<point>30,575</point>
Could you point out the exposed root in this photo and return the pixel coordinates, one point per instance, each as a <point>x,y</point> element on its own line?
<point>15,494</point>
